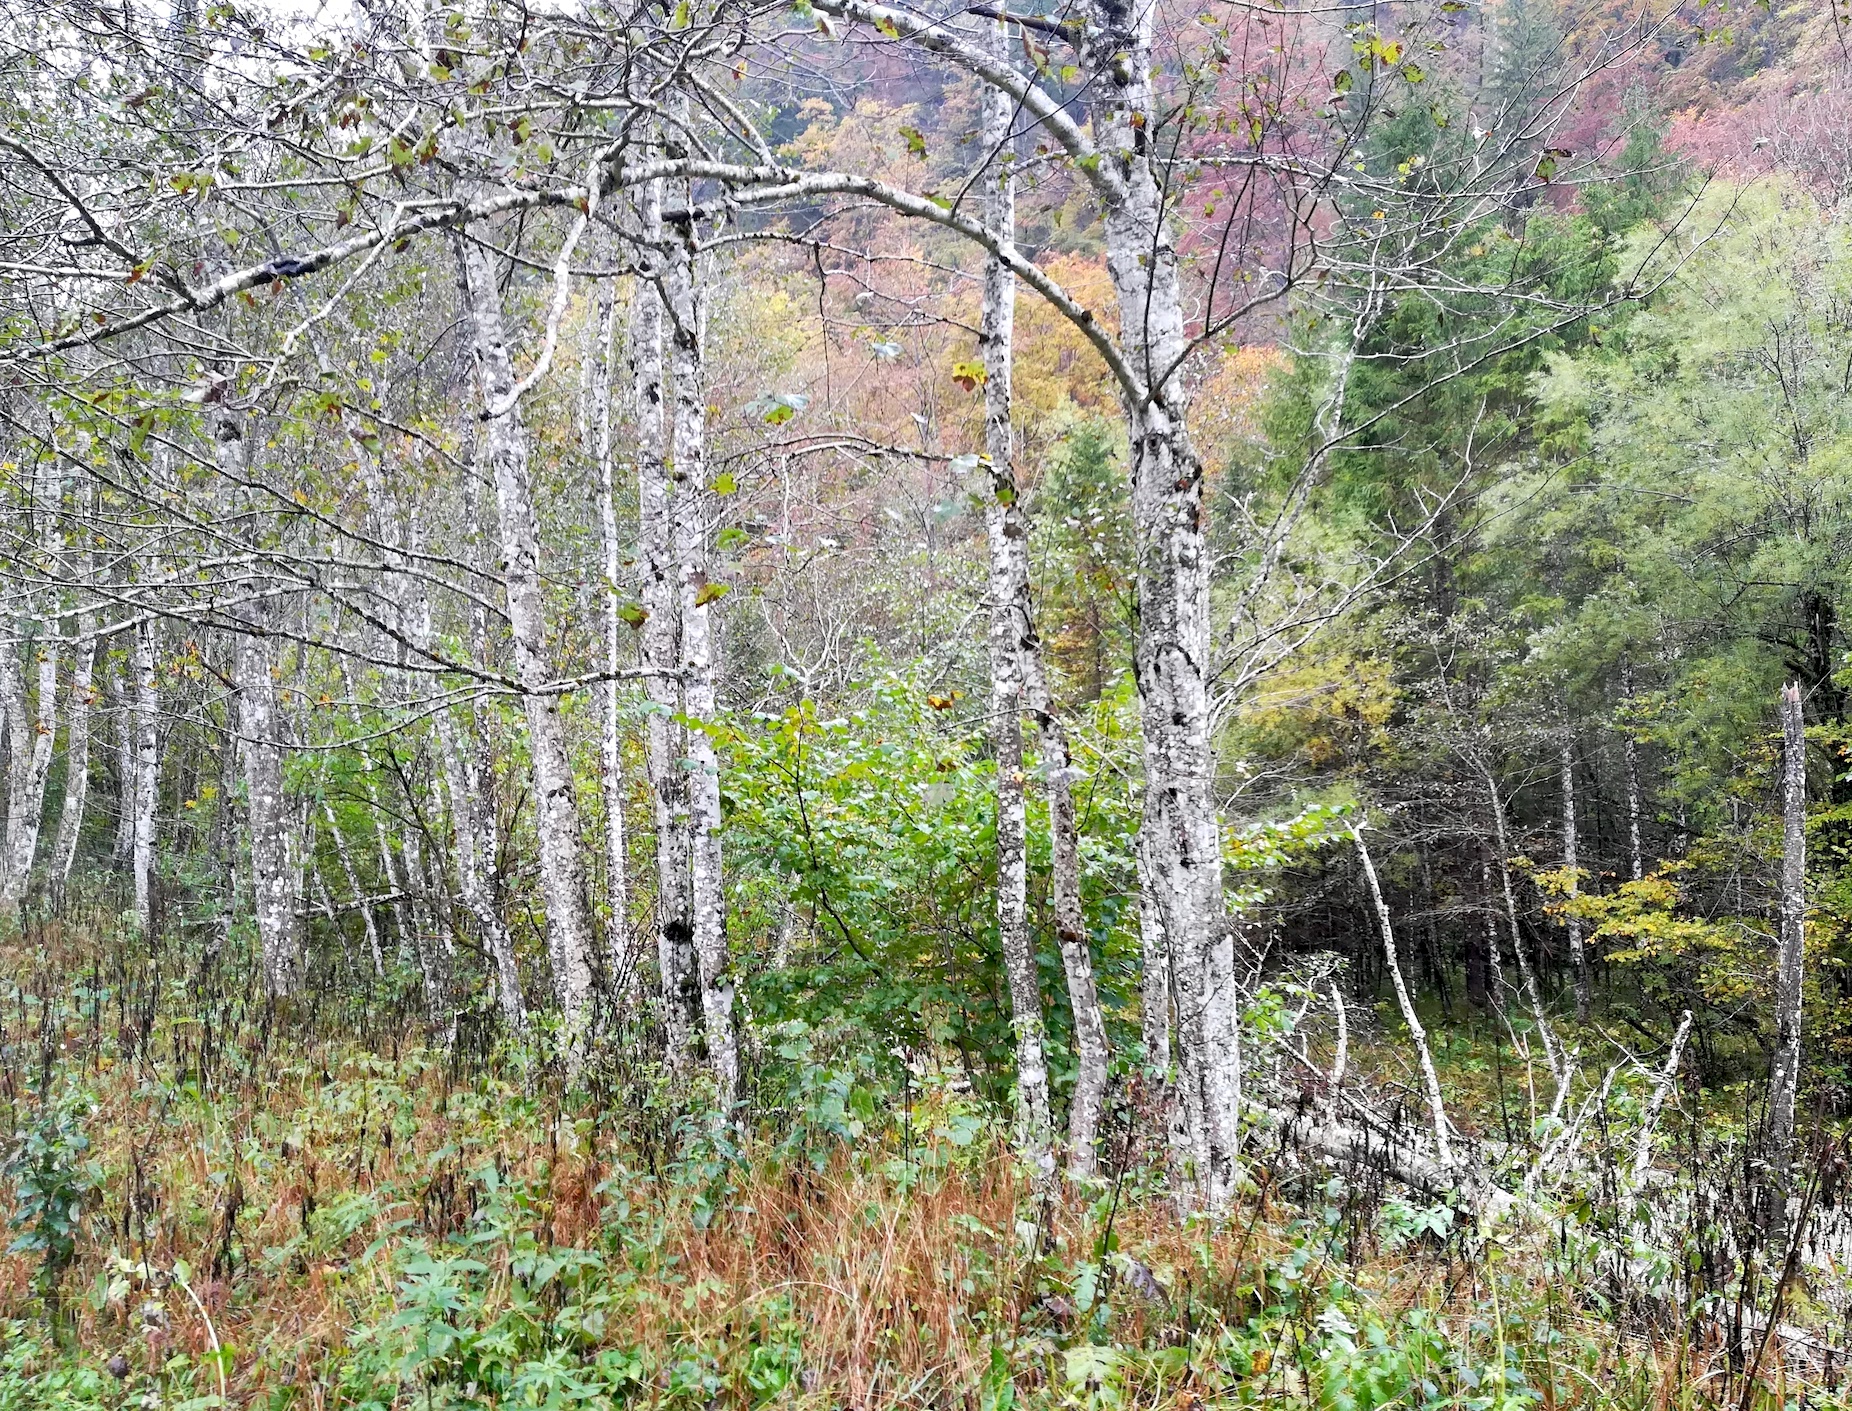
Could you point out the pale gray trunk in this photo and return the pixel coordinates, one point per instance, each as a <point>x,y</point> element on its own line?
<point>1630,759</point>
<point>1437,1108</point>
<point>659,642</point>
<point>1495,970</point>
<point>144,776</point>
<point>477,868</point>
<point>1559,1064</point>
<point>76,751</point>
<point>34,729</point>
<point>354,889</point>
<point>33,726</point>
<point>1004,525</point>
<point>1578,954</point>
<point>273,900</point>
<point>1790,967</point>
<point>260,742</point>
<point>688,508</point>
<point>1180,828</point>
<point>122,705</point>
<point>556,814</point>
<point>620,943</point>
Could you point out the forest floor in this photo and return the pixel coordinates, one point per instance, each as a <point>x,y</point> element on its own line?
<point>271,1222</point>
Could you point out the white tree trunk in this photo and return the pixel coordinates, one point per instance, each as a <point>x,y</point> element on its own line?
<point>477,869</point>
<point>260,741</point>
<point>1630,759</point>
<point>34,731</point>
<point>273,892</point>
<point>1437,1107</point>
<point>1578,954</point>
<point>659,642</point>
<point>556,813</point>
<point>1559,1063</point>
<point>122,706</point>
<point>688,507</point>
<point>76,751</point>
<point>1180,829</point>
<point>145,776</point>
<point>33,726</point>
<point>620,943</point>
<point>1005,529</point>
<point>1790,967</point>
<point>365,906</point>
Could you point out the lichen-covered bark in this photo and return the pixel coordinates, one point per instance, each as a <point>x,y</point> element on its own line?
<point>659,643</point>
<point>1181,830</point>
<point>556,813</point>
<point>688,510</point>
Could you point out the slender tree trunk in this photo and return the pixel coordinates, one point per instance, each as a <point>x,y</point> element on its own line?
<point>1437,1108</point>
<point>34,731</point>
<point>620,944</point>
<point>1559,1069</point>
<point>1630,758</point>
<point>1790,969</point>
<point>556,814</point>
<point>29,764</point>
<point>1005,530</point>
<point>477,870</point>
<point>1172,660</point>
<point>659,643</point>
<point>122,706</point>
<point>354,889</point>
<point>1578,955</point>
<point>145,776</point>
<point>76,751</point>
<point>1494,969</point>
<point>688,508</point>
<point>260,742</point>
<point>273,896</point>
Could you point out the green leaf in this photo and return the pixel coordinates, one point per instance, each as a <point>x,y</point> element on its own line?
<point>633,613</point>
<point>725,484</point>
<point>916,142</point>
<point>1341,82</point>
<point>710,592</point>
<point>732,537</point>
